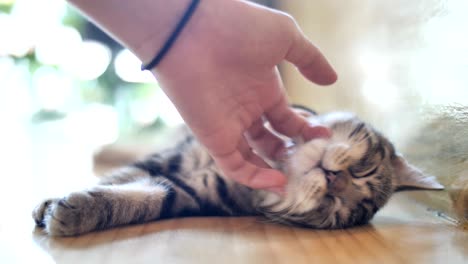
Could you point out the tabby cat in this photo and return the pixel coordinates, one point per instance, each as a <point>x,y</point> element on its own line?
<point>338,182</point>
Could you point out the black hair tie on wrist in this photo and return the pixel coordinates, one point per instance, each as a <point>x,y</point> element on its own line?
<point>172,38</point>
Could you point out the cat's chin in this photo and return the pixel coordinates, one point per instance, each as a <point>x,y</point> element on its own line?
<point>302,192</point>
<point>307,183</point>
<point>300,159</point>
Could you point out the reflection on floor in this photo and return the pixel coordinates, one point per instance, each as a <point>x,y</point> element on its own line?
<point>417,236</point>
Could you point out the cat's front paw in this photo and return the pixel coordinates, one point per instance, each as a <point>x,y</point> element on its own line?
<point>72,215</point>
<point>41,211</point>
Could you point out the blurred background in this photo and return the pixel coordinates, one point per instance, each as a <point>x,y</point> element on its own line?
<point>392,57</point>
<point>67,89</point>
<point>55,66</point>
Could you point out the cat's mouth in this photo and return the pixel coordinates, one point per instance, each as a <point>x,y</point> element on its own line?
<point>296,158</point>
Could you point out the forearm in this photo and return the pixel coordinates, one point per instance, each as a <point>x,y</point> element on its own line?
<point>142,26</point>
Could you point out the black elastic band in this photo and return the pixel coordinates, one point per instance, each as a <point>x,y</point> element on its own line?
<point>170,41</point>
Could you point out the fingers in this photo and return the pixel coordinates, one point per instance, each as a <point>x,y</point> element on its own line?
<point>310,61</point>
<point>289,123</point>
<point>264,141</point>
<point>247,153</point>
<point>246,168</point>
<point>318,131</point>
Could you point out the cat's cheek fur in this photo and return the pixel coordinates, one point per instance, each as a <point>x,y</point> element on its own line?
<point>303,194</point>
<point>304,158</point>
<point>307,184</point>
<point>307,192</point>
<point>271,201</point>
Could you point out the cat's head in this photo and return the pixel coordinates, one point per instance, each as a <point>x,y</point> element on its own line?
<point>342,181</point>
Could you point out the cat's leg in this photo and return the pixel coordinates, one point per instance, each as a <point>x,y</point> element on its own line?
<point>103,207</point>
<point>145,191</point>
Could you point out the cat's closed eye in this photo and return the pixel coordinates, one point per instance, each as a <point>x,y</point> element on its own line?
<point>364,173</point>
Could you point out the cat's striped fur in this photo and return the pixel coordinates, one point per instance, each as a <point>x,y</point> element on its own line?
<point>332,183</point>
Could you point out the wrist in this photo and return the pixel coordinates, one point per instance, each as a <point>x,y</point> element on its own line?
<point>172,37</point>
<point>195,40</point>
<point>141,26</point>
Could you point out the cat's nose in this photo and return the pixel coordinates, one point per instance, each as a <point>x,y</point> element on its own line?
<point>331,177</point>
<point>336,181</point>
<point>341,184</point>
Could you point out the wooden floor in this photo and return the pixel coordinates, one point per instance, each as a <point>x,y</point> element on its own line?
<point>404,232</point>
<point>410,229</point>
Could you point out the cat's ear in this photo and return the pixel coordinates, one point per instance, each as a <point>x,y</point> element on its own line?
<point>409,177</point>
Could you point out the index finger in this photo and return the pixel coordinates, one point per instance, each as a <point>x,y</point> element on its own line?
<point>287,122</point>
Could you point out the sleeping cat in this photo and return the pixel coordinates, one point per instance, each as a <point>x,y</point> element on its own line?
<point>337,182</point>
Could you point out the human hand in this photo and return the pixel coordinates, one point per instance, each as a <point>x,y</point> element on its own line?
<point>221,75</point>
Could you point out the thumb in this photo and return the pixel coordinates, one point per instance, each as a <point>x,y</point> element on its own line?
<point>310,61</point>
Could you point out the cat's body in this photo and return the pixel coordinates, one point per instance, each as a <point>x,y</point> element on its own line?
<point>337,182</point>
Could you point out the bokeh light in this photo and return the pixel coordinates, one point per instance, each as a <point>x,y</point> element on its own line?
<point>89,61</point>
<point>127,67</point>
<point>57,45</point>
<point>51,88</point>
